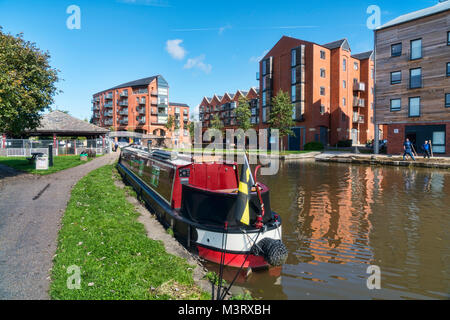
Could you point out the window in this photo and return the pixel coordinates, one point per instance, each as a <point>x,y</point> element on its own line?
<point>344,102</point>
<point>264,67</point>
<point>294,76</point>
<point>294,112</point>
<point>344,117</point>
<point>322,54</point>
<point>396,50</point>
<point>294,58</point>
<point>322,91</point>
<point>396,77</point>
<point>416,49</point>
<point>355,66</point>
<point>448,69</point>
<point>293,89</point>
<point>345,64</point>
<point>344,84</point>
<point>396,105</point>
<point>448,38</point>
<point>264,100</point>
<point>322,109</point>
<point>322,73</point>
<point>415,78</point>
<point>414,107</point>
<point>439,142</point>
<point>447,100</point>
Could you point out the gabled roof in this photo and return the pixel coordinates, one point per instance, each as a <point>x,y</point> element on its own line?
<point>175,104</point>
<point>440,7</point>
<point>60,122</point>
<point>363,56</point>
<point>343,43</point>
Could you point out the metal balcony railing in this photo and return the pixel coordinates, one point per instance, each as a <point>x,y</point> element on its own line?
<point>123,112</point>
<point>123,103</point>
<point>124,94</point>
<point>108,105</point>
<point>359,86</point>
<point>357,102</point>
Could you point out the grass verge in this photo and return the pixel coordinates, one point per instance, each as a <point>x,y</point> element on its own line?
<point>59,163</point>
<point>101,235</point>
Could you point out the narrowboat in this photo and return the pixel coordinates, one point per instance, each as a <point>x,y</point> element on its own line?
<point>197,201</point>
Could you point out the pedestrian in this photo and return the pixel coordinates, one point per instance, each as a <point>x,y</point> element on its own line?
<point>427,150</point>
<point>407,146</point>
<point>116,146</point>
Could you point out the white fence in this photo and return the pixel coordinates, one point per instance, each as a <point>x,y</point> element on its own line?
<point>25,148</point>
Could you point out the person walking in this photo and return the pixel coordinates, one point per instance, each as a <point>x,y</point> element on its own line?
<point>407,146</point>
<point>427,150</point>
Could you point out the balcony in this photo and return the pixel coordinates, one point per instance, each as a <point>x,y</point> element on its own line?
<point>96,99</point>
<point>108,105</point>
<point>124,94</point>
<point>108,122</point>
<point>109,96</point>
<point>154,102</point>
<point>359,86</point>
<point>141,110</point>
<point>141,120</point>
<point>357,102</point>
<point>108,113</point>
<point>358,119</point>
<point>142,101</point>
<point>124,112</point>
<point>124,121</point>
<point>96,115</point>
<point>123,103</point>
<point>95,108</point>
<point>154,93</point>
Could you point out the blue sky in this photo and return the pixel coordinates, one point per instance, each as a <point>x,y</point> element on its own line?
<point>201,47</point>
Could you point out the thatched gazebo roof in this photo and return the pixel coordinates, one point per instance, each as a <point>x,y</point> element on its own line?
<point>62,124</point>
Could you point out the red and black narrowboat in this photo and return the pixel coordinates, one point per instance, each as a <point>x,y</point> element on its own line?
<point>198,199</point>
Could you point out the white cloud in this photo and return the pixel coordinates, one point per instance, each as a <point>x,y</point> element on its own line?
<point>258,59</point>
<point>174,48</point>
<point>198,63</point>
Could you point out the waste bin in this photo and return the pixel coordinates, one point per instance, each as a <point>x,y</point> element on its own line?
<point>42,163</point>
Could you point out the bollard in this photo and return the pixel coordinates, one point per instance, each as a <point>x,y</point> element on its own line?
<point>50,155</point>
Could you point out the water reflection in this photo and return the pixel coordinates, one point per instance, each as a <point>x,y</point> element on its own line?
<point>339,219</point>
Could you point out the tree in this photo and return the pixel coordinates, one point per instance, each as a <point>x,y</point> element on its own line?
<point>27,84</point>
<point>216,123</point>
<point>243,114</point>
<point>170,123</point>
<point>281,113</point>
<point>191,128</point>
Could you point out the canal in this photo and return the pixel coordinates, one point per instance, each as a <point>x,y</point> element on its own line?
<point>340,219</point>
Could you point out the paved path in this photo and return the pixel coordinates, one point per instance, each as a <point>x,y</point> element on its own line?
<point>31,208</point>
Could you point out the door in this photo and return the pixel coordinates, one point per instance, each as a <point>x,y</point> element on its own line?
<point>294,142</point>
<point>355,136</point>
<point>413,139</point>
<point>324,136</point>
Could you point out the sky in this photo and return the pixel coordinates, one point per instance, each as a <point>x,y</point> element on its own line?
<point>200,47</point>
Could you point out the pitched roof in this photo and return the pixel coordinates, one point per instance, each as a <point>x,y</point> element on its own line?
<point>440,7</point>
<point>363,55</point>
<point>135,83</point>
<point>60,122</point>
<point>335,44</point>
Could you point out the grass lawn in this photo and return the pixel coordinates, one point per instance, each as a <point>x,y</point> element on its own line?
<point>59,163</point>
<point>101,235</point>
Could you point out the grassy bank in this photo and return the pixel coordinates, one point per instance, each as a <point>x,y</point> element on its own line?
<point>59,163</point>
<point>101,235</point>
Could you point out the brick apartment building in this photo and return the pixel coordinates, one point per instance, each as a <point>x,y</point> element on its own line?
<point>224,107</point>
<point>141,106</point>
<point>413,79</point>
<point>332,91</point>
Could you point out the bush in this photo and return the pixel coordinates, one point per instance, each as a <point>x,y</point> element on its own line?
<point>345,144</point>
<point>314,146</point>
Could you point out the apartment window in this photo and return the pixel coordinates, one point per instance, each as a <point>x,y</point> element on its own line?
<point>416,49</point>
<point>344,102</point>
<point>414,107</point>
<point>294,76</point>
<point>322,109</point>
<point>322,54</point>
<point>396,105</point>
<point>344,64</point>
<point>356,66</point>
<point>293,97</point>
<point>322,91</point>
<point>448,38</point>
<point>439,142</point>
<point>396,50</point>
<point>396,77</point>
<point>448,69</point>
<point>264,67</point>
<point>344,117</point>
<point>322,73</point>
<point>447,100</point>
<point>344,84</point>
<point>415,78</point>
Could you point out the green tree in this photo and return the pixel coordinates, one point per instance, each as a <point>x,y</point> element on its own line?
<point>170,123</point>
<point>281,113</point>
<point>191,128</point>
<point>216,123</point>
<point>243,114</point>
<point>27,84</point>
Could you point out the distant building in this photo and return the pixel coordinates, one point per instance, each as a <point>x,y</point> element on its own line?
<point>331,89</point>
<point>224,107</point>
<point>413,79</point>
<point>142,106</point>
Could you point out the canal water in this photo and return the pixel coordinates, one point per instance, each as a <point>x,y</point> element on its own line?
<point>338,220</point>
